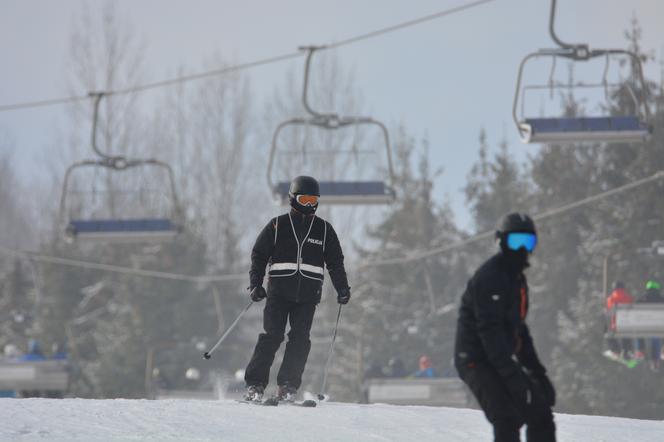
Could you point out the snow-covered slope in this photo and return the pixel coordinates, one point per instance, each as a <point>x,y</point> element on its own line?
<point>104,420</point>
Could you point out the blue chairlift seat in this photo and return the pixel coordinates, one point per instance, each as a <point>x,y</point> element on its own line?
<point>345,192</point>
<point>591,129</point>
<point>147,229</point>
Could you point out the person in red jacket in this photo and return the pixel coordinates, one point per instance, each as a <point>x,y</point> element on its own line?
<point>619,295</point>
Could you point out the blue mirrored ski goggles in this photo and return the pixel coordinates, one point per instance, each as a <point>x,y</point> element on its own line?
<point>517,240</point>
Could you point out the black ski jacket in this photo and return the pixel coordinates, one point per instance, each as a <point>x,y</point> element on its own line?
<point>297,275</point>
<point>491,328</point>
<point>651,295</point>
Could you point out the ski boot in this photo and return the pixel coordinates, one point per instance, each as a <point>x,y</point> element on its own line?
<point>254,393</point>
<point>286,393</point>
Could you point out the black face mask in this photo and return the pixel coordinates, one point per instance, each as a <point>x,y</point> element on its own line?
<point>517,259</point>
<point>307,210</point>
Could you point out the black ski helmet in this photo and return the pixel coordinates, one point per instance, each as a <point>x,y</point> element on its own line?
<point>514,222</point>
<point>303,185</point>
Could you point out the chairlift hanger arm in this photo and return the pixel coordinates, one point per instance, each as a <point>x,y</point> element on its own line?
<point>118,162</point>
<point>97,96</point>
<point>305,85</point>
<point>575,47</point>
<point>114,162</point>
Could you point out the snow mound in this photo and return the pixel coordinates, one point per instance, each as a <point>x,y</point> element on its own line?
<point>191,420</point>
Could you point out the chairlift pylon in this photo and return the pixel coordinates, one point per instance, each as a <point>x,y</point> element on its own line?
<point>119,229</point>
<point>334,192</point>
<point>608,128</point>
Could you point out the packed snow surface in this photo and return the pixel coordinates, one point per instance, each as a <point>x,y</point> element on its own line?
<point>225,420</point>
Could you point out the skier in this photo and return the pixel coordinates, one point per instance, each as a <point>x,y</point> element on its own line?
<point>619,348</point>
<point>426,368</point>
<point>651,295</point>
<point>494,353</point>
<point>296,246</point>
<point>395,368</point>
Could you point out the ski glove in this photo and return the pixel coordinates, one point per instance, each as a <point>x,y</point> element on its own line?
<point>257,293</point>
<point>343,296</point>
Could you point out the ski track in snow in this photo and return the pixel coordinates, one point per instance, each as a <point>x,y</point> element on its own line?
<point>224,420</point>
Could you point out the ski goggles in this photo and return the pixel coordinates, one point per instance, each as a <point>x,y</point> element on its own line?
<point>517,240</point>
<point>307,200</point>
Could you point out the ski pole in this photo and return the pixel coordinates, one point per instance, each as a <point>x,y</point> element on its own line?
<point>208,353</point>
<point>321,395</point>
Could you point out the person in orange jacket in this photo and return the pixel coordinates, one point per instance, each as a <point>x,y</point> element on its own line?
<point>619,295</point>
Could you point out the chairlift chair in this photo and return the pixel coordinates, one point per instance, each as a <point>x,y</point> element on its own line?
<point>606,128</point>
<point>121,229</point>
<point>336,191</point>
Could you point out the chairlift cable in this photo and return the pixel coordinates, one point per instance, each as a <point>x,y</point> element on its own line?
<point>123,270</point>
<point>243,66</point>
<point>416,256</point>
<point>405,24</point>
<point>375,263</point>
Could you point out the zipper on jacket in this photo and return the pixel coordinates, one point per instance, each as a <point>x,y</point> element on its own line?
<point>299,281</point>
<point>299,252</point>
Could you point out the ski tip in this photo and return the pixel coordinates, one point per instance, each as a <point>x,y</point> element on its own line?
<point>207,355</point>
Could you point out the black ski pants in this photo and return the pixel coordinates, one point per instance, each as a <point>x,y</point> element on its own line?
<point>277,312</point>
<point>503,412</point>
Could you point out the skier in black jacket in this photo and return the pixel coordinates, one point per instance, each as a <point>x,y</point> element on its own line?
<point>494,353</point>
<point>296,246</point>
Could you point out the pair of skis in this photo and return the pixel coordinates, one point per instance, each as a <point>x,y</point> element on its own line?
<point>273,402</point>
<point>629,363</point>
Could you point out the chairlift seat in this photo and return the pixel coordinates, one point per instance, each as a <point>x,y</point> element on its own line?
<point>640,320</point>
<point>345,192</point>
<point>47,375</point>
<point>147,229</point>
<point>591,129</point>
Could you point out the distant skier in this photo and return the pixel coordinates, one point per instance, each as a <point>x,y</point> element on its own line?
<point>652,295</point>
<point>34,352</point>
<point>296,246</point>
<point>620,348</point>
<point>494,353</point>
<point>395,368</point>
<point>426,368</point>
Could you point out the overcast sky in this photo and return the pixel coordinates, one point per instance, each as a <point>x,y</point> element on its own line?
<point>445,79</point>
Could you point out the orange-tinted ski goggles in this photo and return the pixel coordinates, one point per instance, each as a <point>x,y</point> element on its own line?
<point>307,200</point>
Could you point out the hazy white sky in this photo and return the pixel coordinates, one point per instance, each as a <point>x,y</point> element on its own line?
<point>446,78</point>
